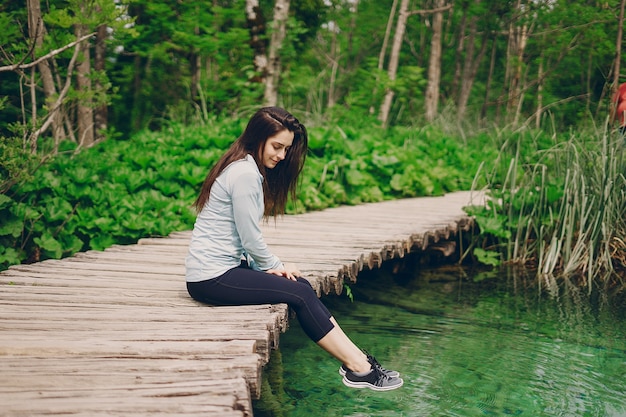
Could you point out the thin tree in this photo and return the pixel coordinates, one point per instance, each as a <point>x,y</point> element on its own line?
<point>101,111</point>
<point>54,104</point>
<point>37,32</point>
<point>335,50</point>
<point>434,65</point>
<point>279,31</point>
<point>84,108</point>
<point>354,9</point>
<point>539,112</point>
<point>195,65</point>
<point>618,55</point>
<point>470,62</point>
<point>492,66</point>
<point>383,49</point>
<point>516,47</point>
<point>394,58</point>
<point>256,26</point>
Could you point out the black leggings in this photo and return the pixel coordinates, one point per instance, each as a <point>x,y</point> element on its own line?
<point>244,286</point>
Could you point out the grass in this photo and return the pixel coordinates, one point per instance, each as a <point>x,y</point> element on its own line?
<point>559,209</point>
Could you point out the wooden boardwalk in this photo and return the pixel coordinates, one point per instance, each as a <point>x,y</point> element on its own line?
<point>114,332</point>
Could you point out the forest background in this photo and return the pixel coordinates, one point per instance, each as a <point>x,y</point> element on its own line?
<point>112,111</point>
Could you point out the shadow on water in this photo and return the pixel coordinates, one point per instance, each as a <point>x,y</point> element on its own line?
<point>467,343</point>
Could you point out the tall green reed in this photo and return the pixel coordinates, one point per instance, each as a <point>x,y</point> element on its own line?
<point>560,208</point>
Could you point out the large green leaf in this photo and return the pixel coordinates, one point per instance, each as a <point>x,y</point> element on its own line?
<point>5,201</point>
<point>9,256</point>
<point>50,247</point>
<point>11,226</point>
<point>492,226</point>
<point>101,241</point>
<point>487,257</point>
<point>57,210</point>
<point>356,177</point>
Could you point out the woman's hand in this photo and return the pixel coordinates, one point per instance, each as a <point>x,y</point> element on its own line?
<point>291,272</point>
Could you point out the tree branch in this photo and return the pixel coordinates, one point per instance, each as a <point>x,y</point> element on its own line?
<point>54,108</point>
<point>431,11</point>
<point>46,56</point>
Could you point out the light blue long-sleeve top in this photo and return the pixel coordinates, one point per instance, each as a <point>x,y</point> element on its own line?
<point>227,229</point>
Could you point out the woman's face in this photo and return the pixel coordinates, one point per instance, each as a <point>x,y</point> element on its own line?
<point>275,148</point>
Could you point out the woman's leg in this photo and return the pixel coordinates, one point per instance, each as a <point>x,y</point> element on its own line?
<point>339,345</point>
<point>243,286</point>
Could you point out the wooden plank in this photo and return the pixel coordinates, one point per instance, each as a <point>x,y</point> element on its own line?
<point>70,265</point>
<point>75,372</point>
<point>110,392</point>
<point>25,345</point>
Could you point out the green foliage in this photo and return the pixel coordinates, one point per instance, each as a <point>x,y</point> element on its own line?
<point>122,190</point>
<point>16,163</point>
<point>115,192</point>
<point>188,61</point>
<point>348,291</point>
<point>487,257</point>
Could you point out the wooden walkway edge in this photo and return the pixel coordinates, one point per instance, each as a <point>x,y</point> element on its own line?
<point>114,332</point>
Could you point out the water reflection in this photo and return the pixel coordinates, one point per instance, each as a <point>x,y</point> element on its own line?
<point>468,343</point>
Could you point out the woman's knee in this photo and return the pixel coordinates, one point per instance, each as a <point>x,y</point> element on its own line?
<point>304,281</point>
<point>306,288</point>
<point>305,293</point>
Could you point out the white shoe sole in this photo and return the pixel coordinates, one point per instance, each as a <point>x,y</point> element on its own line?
<point>352,384</point>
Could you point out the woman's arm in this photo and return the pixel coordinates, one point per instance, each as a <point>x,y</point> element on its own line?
<point>247,201</point>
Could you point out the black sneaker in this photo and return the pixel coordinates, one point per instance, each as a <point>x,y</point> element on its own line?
<point>375,364</point>
<point>389,373</point>
<point>375,380</point>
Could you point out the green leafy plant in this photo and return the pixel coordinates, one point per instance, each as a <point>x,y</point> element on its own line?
<point>122,190</point>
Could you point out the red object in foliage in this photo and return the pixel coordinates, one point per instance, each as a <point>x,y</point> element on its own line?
<point>620,104</point>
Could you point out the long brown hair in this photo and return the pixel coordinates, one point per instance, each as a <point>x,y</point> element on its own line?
<point>280,182</point>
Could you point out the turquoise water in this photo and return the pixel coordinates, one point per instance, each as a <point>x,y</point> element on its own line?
<point>466,344</point>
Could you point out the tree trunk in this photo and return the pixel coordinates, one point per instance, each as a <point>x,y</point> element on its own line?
<point>492,67</point>
<point>256,26</point>
<point>383,49</point>
<point>334,57</point>
<point>195,66</point>
<point>394,59</point>
<point>194,69</point>
<point>279,29</point>
<point>37,31</point>
<point>518,37</point>
<point>434,65</point>
<point>84,109</point>
<point>138,108</point>
<point>460,47</point>
<point>618,56</point>
<point>101,111</point>
<point>354,9</point>
<point>31,143</point>
<point>539,111</point>
<point>470,67</point>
